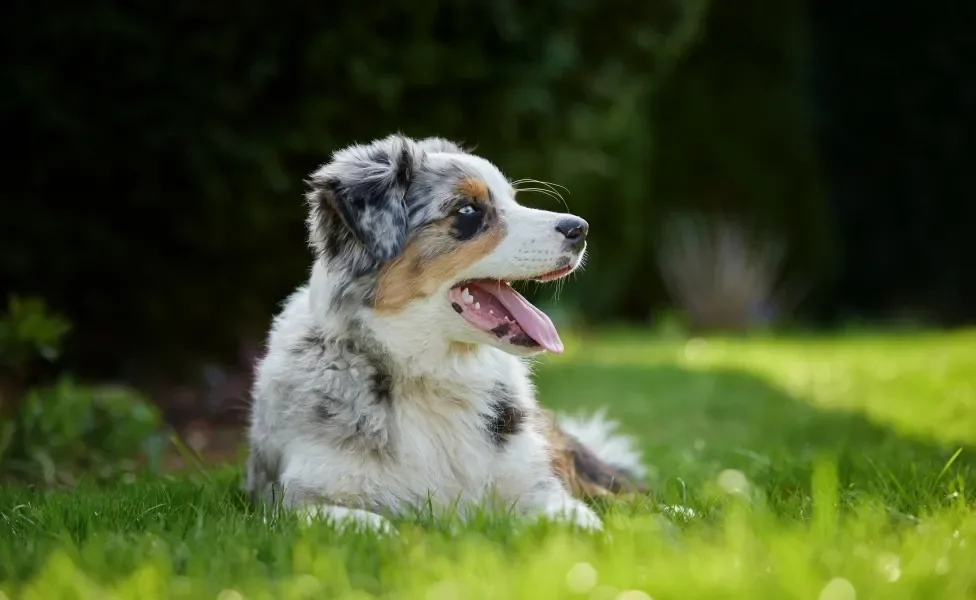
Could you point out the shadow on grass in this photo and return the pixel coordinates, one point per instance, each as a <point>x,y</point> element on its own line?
<point>694,424</point>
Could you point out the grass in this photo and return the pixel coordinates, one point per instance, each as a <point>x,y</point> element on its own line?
<point>783,468</point>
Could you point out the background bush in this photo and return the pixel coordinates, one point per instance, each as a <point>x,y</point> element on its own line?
<point>896,125</point>
<point>51,433</point>
<point>156,195</point>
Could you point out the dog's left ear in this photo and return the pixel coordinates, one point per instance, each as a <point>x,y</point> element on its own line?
<point>366,185</point>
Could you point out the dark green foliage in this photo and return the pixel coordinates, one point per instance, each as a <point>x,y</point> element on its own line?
<point>51,433</point>
<point>161,147</point>
<point>27,332</point>
<point>30,341</point>
<point>61,431</point>
<point>898,127</point>
<point>734,133</point>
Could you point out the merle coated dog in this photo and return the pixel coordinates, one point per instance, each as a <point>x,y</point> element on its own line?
<point>397,377</point>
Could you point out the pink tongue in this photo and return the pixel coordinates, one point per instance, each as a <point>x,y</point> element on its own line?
<point>533,321</point>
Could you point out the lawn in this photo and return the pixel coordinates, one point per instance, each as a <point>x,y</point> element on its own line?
<point>831,468</point>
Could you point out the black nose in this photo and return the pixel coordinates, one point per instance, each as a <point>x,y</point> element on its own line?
<point>574,228</point>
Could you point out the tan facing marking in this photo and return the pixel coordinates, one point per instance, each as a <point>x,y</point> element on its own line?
<point>472,187</point>
<point>428,262</point>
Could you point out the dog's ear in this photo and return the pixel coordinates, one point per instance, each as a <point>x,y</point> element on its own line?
<point>366,185</point>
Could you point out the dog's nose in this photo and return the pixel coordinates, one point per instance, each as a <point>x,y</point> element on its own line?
<point>574,229</point>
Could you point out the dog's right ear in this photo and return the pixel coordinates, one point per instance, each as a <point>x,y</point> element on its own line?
<point>366,185</point>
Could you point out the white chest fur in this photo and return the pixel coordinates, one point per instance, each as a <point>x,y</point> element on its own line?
<point>444,449</point>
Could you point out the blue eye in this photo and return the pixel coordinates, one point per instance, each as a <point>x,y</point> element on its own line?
<point>468,222</point>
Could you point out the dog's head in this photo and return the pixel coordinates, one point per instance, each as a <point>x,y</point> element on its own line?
<point>425,230</point>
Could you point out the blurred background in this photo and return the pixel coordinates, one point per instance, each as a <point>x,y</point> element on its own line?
<point>747,165</point>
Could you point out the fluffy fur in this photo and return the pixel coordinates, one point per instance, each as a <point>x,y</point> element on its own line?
<point>376,397</point>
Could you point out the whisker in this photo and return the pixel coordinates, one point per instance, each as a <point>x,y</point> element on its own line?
<point>545,191</point>
<point>536,189</point>
<point>550,187</point>
<point>548,184</point>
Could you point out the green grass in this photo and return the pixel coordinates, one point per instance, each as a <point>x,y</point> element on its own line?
<point>816,468</point>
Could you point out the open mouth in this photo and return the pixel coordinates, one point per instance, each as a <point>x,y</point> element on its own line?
<point>493,306</point>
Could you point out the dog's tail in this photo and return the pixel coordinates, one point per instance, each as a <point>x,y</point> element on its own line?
<point>594,458</point>
<point>600,435</point>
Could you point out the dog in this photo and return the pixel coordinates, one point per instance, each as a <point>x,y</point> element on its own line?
<point>398,376</point>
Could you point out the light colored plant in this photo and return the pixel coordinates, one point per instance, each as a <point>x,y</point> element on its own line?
<point>722,274</point>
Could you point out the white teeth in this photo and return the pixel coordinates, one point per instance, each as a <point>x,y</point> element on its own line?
<point>477,306</point>
<point>466,296</point>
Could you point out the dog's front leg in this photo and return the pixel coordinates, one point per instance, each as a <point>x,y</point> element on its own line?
<point>343,518</point>
<point>555,503</point>
<point>315,508</point>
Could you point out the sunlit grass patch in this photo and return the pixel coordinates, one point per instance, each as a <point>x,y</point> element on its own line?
<point>833,469</point>
<point>174,541</point>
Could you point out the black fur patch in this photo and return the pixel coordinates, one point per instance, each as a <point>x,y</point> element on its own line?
<point>381,382</point>
<point>506,418</point>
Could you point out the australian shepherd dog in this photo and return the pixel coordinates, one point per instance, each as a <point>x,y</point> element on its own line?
<point>397,377</point>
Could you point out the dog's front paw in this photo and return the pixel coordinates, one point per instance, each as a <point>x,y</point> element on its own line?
<point>367,521</point>
<point>351,518</point>
<point>573,511</point>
